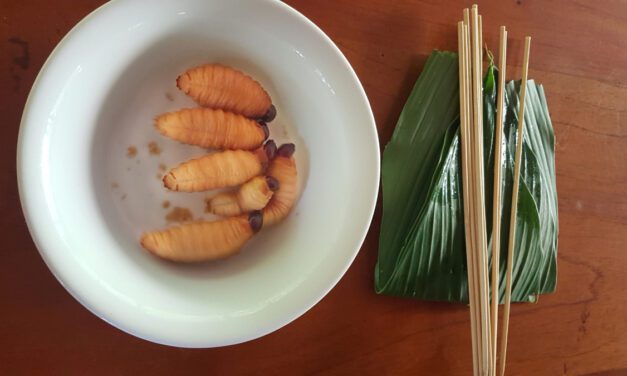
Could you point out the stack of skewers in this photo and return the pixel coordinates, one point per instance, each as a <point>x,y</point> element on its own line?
<point>483,286</point>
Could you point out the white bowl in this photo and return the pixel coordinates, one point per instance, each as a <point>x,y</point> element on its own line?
<point>86,202</point>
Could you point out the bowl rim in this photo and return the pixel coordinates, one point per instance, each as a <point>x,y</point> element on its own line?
<point>37,233</point>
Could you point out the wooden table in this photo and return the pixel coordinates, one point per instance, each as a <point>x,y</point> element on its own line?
<point>579,53</point>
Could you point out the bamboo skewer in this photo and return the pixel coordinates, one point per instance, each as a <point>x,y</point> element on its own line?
<point>472,184</point>
<point>481,42</point>
<point>473,283</point>
<point>483,302</point>
<point>479,197</point>
<point>513,214</point>
<point>496,203</point>
<point>462,36</point>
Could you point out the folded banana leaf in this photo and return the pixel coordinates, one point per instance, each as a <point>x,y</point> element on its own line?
<point>421,245</point>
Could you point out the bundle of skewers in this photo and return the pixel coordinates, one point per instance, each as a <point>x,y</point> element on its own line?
<point>483,285</point>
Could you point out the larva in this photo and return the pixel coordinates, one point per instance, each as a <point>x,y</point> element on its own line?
<point>283,168</point>
<point>252,195</point>
<point>218,170</point>
<point>219,86</point>
<point>210,128</point>
<point>203,240</point>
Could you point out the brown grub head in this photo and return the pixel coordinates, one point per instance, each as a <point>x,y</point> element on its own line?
<point>273,183</point>
<point>270,148</point>
<point>286,150</point>
<point>265,129</point>
<point>255,220</point>
<point>269,115</point>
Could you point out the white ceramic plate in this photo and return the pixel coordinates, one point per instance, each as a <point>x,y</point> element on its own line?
<point>86,202</point>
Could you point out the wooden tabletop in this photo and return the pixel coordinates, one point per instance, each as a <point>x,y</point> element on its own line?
<point>579,53</point>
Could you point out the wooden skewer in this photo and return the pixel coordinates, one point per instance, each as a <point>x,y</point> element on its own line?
<point>472,31</point>
<point>479,196</point>
<point>496,202</point>
<point>481,42</point>
<point>462,36</point>
<point>473,282</point>
<point>513,214</point>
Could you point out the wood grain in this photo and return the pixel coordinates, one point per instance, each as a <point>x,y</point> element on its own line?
<point>580,55</point>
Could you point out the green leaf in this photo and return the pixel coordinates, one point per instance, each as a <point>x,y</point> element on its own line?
<point>421,245</point>
<point>535,264</point>
<point>409,163</point>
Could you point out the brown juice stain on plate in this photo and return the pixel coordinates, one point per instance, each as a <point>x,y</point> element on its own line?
<point>162,167</point>
<point>131,151</point>
<point>159,176</point>
<point>123,197</point>
<point>114,185</point>
<point>178,214</point>
<point>165,204</point>
<point>153,148</point>
<point>169,96</point>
